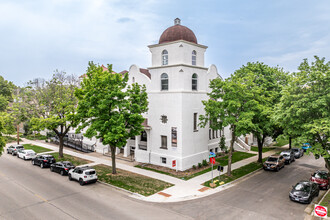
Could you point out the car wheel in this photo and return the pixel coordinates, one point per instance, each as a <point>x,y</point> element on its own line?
<point>52,169</point>
<point>42,165</point>
<point>309,200</point>
<point>70,178</point>
<point>289,161</point>
<point>24,158</point>
<point>317,194</point>
<point>62,173</point>
<point>81,182</point>
<point>277,169</point>
<point>12,153</point>
<point>32,162</point>
<point>7,152</point>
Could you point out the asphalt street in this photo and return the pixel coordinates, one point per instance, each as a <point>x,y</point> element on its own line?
<point>261,196</point>
<point>29,192</point>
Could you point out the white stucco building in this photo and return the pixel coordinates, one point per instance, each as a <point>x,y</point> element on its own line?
<point>177,82</point>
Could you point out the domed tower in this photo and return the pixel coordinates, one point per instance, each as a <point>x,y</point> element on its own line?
<point>179,82</point>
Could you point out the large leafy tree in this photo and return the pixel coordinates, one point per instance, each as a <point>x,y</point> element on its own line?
<point>305,106</point>
<point>6,90</point>
<point>263,87</point>
<point>226,107</point>
<point>55,105</point>
<point>109,108</point>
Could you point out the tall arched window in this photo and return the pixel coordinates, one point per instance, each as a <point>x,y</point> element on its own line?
<point>164,81</point>
<point>164,57</point>
<point>193,58</point>
<point>194,81</point>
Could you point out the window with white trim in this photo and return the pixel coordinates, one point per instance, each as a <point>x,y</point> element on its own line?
<point>164,82</point>
<point>194,82</point>
<point>193,58</point>
<point>164,57</point>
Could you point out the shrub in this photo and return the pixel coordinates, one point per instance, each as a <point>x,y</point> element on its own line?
<point>199,165</point>
<point>194,167</point>
<point>205,163</point>
<point>222,144</point>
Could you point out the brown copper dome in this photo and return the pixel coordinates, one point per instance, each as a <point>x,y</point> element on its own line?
<point>177,32</point>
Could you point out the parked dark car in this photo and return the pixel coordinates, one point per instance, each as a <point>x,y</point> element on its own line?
<point>322,178</point>
<point>274,162</point>
<point>304,192</point>
<point>288,156</point>
<point>61,167</point>
<point>298,152</point>
<point>14,148</point>
<point>43,160</point>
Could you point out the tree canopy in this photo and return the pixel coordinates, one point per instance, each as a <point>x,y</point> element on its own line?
<point>55,104</point>
<point>109,108</point>
<point>305,106</point>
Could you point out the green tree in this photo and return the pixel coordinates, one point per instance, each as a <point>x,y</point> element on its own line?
<point>109,108</point>
<point>226,105</point>
<point>55,104</point>
<point>305,106</point>
<point>263,85</point>
<point>6,90</point>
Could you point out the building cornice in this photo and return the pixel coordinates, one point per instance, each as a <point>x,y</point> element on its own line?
<point>178,65</point>
<point>178,41</point>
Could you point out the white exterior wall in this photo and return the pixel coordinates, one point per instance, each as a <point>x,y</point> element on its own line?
<point>178,103</point>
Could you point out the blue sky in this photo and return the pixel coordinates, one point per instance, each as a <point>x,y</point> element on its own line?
<point>38,37</point>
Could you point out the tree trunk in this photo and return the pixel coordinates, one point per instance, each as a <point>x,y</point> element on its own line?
<point>113,158</point>
<point>290,140</point>
<point>60,151</point>
<point>327,163</point>
<point>17,128</point>
<point>260,144</point>
<point>230,154</point>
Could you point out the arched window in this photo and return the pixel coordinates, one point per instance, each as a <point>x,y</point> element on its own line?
<point>164,81</point>
<point>164,57</point>
<point>193,58</point>
<point>194,82</point>
<point>133,79</point>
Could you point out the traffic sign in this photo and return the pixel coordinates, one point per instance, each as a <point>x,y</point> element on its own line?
<point>320,211</point>
<point>212,160</point>
<point>212,155</point>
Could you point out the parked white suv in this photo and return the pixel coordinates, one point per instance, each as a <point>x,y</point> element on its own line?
<point>83,175</point>
<point>26,154</point>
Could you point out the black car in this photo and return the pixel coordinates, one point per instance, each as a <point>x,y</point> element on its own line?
<point>61,167</point>
<point>43,160</point>
<point>288,156</point>
<point>304,192</point>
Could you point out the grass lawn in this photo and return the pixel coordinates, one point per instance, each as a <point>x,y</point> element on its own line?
<point>36,148</point>
<point>223,161</point>
<point>34,137</point>
<point>326,202</point>
<point>237,173</point>
<point>281,143</point>
<point>77,161</point>
<point>130,181</point>
<point>237,156</point>
<point>10,139</point>
<point>264,149</point>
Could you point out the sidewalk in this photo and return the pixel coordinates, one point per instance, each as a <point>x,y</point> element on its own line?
<point>181,191</point>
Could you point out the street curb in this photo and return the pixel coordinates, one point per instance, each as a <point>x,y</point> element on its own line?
<point>310,208</point>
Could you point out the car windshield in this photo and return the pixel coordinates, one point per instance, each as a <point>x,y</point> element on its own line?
<point>285,155</point>
<point>302,187</point>
<point>295,150</point>
<point>320,175</point>
<point>272,159</point>
<point>20,147</point>
<point>90,172</point>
